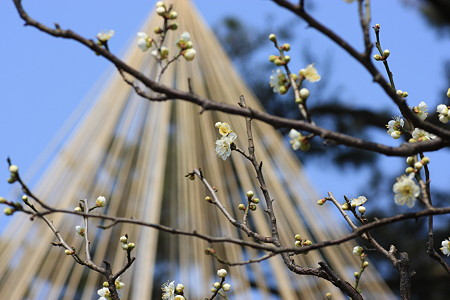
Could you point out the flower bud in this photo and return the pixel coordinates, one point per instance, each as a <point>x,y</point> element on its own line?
<point>410,160</point>
<point>124,246</point>
<point>252,207</point>
<point>160,4</point>
<point>8,211</point>
<point>287,58</point>
<point>377,27</point>
<point>173,15</point>
<point>344,206</point>
<point>179,297</point>
<point>241,207</point>
<point>298,237</point>
<point>131,246</point>
<point>285,47</point>
<point>448,92</point>
<point>173,26</point>
<point>255,200</point>
<point>105,284</point>
<point>24,198</point>
<point>179,288</point>
<point>222,273</point>
<point>272,37</point>
<point>377,57</point>
<point>100,202</point>
<point>226,287</point>
<point>328,296</point>
<point>298,243</point>
<point>216,285</point>
<point>418,165</point>
<point>250,194</point>
<point>2,200</point>
<point>209,199</point>
<point>358,250</point>
<point>356,274</point>
<point>425,160</point>
<point>386,53</point>
<point>157,30</point>
<point>272,58</point>
<point>307,243</point>
<point>409,170</point>
<point>68,252</point>
<point>13,169</point>
<point>365,264</point>
<point>123,239</point>
<point>361,209</point>
<point>161,10</point>
<point>321,202</point>
<point>279,62</point>
<point>405,94</point>
<point>399,93</point>
<point>304,93</point>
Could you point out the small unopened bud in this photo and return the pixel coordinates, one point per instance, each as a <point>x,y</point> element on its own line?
<point>173,26</point>
<point>13,169</point>
<point>250,194</point>
<point>8,211</point>
<point>405,94</point>
<point>160,4</point>
<point>124,246</point>
<point>345,206</point>
<point>226,287</point>
<point>377,57</point>
<point>255,200</point>
<point>241,206</point>
<point>24,198</point>
<point>377,27</point>
<point>131,246</point>
<point>68,252</point>
<point>160,10</point>
<point>399,93</point>
<point>362,210</point>
<point>409,170</point>
<point>321,201</point>
<point>298,243</point>
<point>307,243</point>
<point>213,290</point>
<point>279,62</point>
<point>272,58</point>
<point>356,274</point>
<point>12,179</point>
<point>123,239</point>
<point>386,53</point>
<point>157,30</point>
<point>216,285</point>
<point>209,199</point>
<point>287,58</point>
<point>272,37</point>
<point>78,209</point>
<point>252,207</point>
<point>286,47</point>
<point>179,288</point>
<point>222,273</point>
<point>209,251</point>
<point>425,160</point>
<point>448,92</point>
<point>173,15</point>
<point>3,200</point>
<point>410,160</point>
<point>105,284</point>
<point>100,202</point>
<point>328,296</point>
<point>418,165</point>
<point>365,264</point>
<point>298,237</point>
<point>283,90</point>
<point>304,93</point>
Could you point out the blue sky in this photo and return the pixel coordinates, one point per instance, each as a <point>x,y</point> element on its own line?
<point>43,78</point>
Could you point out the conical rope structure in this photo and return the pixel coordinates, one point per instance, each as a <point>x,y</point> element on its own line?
<point>136,153</point>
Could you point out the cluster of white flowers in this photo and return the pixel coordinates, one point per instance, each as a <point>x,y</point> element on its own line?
<point>310,73</point>
<point>185,44</point>
<point>444,113</point>
<point>170,292</point>
<point>299,141</point>
<point>144,41</point>
<point>358,250</point>
<point>222,273</point>
<point>395,127</point>
<point>446,247</point>
<point>223,145</point>
<point>420,135</point>
<point>406,190</point>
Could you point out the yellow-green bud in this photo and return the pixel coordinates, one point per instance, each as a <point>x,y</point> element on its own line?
<point>399,93</point>
<point>123,239</point>
<point>418,165</point>
<point>279,62</point>
<point>321,201</point>
<point>298,237</point>
<point>377,57</point>
<point>345,206</point>
<point>226,287</point>
<point>377,27</point>
<point>410,160</point>
<point>304,93</point>
<point>298,243</point>
<point>12,179</point>
<point>173,15</point>
<point>365,264</point>
<point>216,285</point>
<point>179,288</point>
<point>160,4</point>
<point>173,26</point>
<point>409,170</point>
<point>448,92</point>
<point>13,169</point>
<point>213,290</point>
<point>361,209</point>
<point>255,200</point>
<point>25,198</point>
<point>307,243</point>
<point>356,274</point>
<point>250,194</point>
<point>68,252</point>
<point>157,30</point>
<point>405,94</point>
<point>386,53</point>
<point>105,284</point>
<point>425,160</point>
<point>241,206</point>
<point>161,10</point>
<point>124,246</point>
<point>131,246</point>
<point>252,207</point>
<point>328,296</point>
<point>209,199</point>
<point>2,200</point>
<point>283,90</point>
<point>272,58</point>
<point>287,58</point>
<point>272,37</point>
<point>8,211</point>
<point>286,47</point>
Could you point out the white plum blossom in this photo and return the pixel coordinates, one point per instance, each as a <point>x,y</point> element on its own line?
<point>310,73</point>
<point>298,141</point>
<point>223,145</point>
<point>421,110</point>
<point>104,36</point>
<point>278,82</point>
<point>104,294</point>
<point>222,273</point>
<point>444,115</point>
<point>421,135</point>
<point>395,127</point>
<point>358,250</point>
<point>224,128</point>
<point>406,190</point>
<point>168,290</point>
<point>358,201</point>
<point>144,41</point>
<point>184,41</point>
<point>160,55</point>
<point>446,247</point>
<point>100,202</point>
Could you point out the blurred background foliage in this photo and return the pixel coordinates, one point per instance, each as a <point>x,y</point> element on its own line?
<point>246,45</point>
